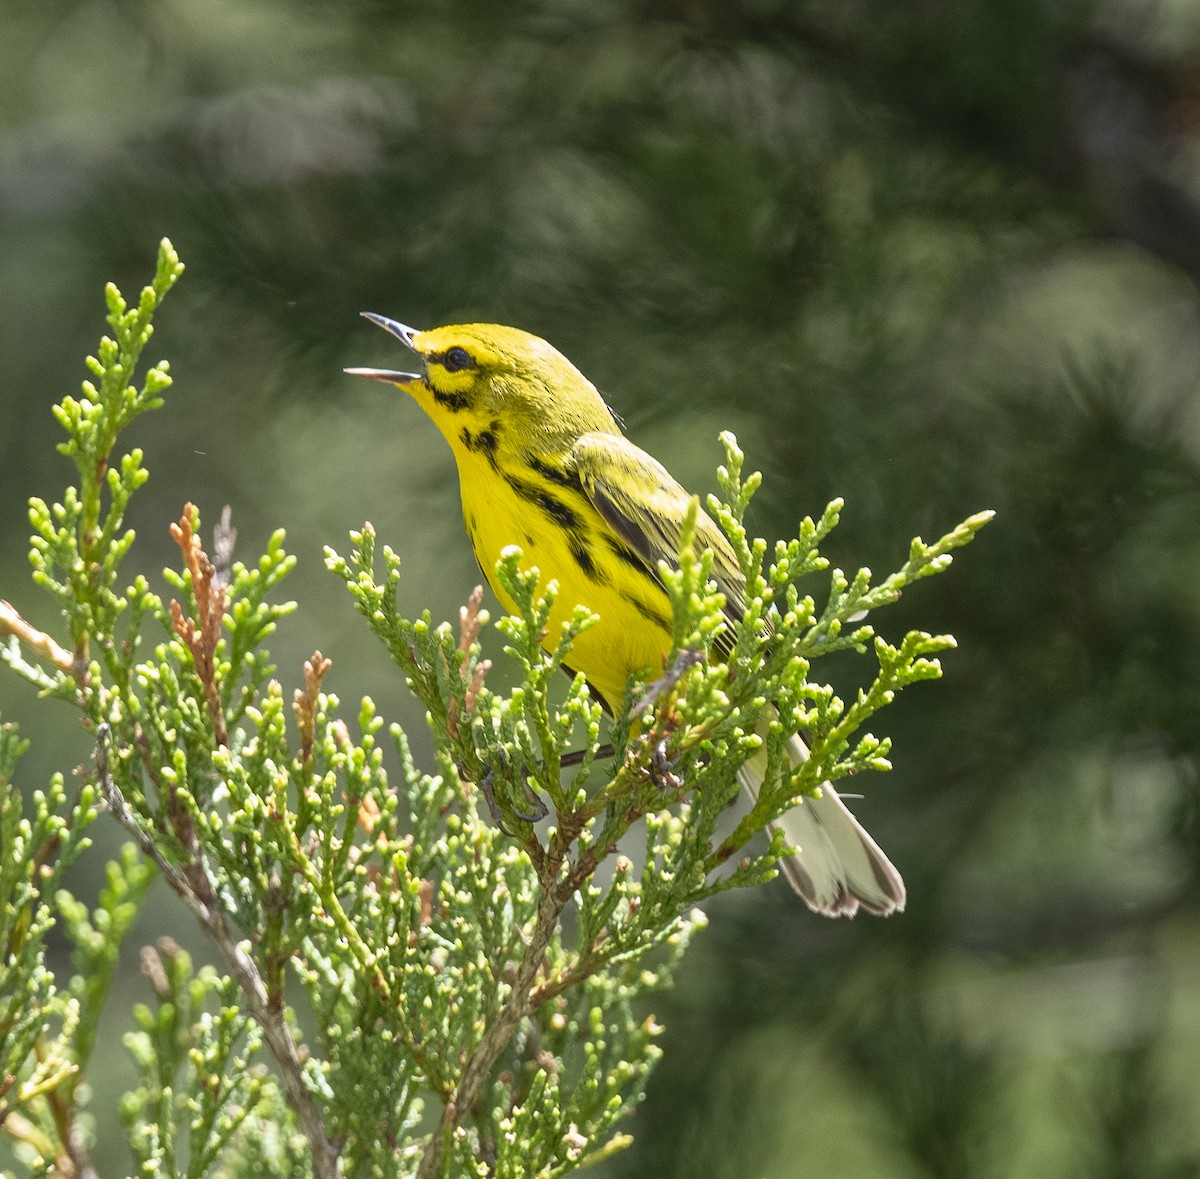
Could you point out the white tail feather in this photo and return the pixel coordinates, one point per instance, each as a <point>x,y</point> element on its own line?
<point>837,868</point>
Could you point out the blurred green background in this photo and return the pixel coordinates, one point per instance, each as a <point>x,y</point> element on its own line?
<point>933,257</point>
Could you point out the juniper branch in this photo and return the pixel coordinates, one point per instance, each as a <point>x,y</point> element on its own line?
<point>212,920</point>
<point>552,901</point>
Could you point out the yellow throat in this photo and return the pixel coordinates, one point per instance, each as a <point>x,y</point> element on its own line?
<point>514,410</point>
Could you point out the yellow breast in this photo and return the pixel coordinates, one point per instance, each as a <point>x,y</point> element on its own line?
<point>559,532</point>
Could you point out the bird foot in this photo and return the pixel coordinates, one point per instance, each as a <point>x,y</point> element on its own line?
<point>662,766</point>
<point>540,811</point>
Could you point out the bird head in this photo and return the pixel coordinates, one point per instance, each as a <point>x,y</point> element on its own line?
<point>485,375</point>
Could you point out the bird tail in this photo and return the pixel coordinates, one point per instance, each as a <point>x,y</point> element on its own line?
<point>837,867</point>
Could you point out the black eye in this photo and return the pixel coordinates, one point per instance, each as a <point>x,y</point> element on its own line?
<point>456,359</point>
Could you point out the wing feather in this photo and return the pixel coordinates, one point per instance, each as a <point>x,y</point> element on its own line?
<point>645,505</point>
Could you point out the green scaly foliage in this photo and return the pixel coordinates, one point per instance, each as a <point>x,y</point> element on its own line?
<point>463,1022</point>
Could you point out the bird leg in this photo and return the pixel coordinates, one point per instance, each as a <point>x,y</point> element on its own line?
<point>489,796</point>
<point>577,755</point>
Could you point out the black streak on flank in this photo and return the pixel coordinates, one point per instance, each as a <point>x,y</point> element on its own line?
<point>650,614</point>
<point>627,556</point>
<point>551,505</point>
<point>595,695</point>
<point>583,558</point>
<point>553,474</point>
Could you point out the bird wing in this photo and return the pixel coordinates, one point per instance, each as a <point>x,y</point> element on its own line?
<point>645,505</point>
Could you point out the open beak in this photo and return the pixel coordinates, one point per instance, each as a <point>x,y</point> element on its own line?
<point>405,335</point>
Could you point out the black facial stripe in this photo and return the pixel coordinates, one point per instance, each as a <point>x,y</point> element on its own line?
<point>453,360</point>
<point>452,401</point>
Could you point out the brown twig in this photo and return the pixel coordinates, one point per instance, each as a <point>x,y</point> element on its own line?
<point>470,623</point>
<point>555,890</point>
<point>212,920</point>
<point>304,701</point>
<point>667,682</point>
<point>71,1135</point>
<point>210,594</point>
<point>40,643</point>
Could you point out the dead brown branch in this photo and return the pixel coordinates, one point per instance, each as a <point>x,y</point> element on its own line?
<point>304,701</point>
<point>40,643</point>
<point>470,622</point>
<point>201,634</point>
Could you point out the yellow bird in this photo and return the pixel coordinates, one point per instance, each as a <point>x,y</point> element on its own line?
<point>542,464</point>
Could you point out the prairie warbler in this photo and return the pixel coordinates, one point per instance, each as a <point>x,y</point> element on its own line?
<point>543,464</point>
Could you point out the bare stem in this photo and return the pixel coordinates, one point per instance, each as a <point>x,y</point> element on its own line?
<point>11,623</point>
<point>241,966</point>
<point>71,1135</point>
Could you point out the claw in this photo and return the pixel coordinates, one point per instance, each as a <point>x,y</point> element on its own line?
<point>540,810</point>
<point>489,796</point>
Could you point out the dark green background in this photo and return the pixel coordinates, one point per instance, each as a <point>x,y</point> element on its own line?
<point>931,257</point>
